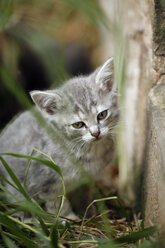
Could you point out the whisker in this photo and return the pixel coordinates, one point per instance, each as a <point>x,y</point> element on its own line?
<point>77,139</point>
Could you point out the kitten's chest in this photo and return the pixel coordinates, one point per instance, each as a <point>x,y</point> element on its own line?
<point>98,156</point>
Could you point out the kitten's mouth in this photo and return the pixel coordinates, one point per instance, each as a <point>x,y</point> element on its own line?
<point>97,139</point>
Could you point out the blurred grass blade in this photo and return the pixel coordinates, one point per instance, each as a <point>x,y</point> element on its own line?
<point>14,178</point>
<point>150,244</point>
<point>31,207</point>
<point>54,236</point>
<point>61,203</point>
<point>9,243</point>
<point>14,229</point>
<point>6,9</point>
<point>63,185</point>
<point>14,88</point>
<point>9,220</point>
<point>7,181</point>
<point>85,242</point>
<point>110,244</point>
<point>48,163</point>
<point>27,169</point>
<point>8,192</point>
<point>135,236</point>
<point>91,10</point>
<point>44,47</point>
<point>44,227</point>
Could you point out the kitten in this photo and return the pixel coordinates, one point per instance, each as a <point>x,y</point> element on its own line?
<point>84,112</point>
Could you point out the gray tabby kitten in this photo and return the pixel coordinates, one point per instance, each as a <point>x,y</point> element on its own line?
<point>84,111</point>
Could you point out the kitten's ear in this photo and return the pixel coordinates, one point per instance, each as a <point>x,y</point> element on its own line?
<point>105,75</point>
<point>45,100</point>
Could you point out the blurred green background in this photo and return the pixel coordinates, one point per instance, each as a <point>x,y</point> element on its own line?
<point>42,43</point>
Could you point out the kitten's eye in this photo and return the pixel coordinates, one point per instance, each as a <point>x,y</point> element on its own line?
<point>102,115</point>
<point>79,124</point>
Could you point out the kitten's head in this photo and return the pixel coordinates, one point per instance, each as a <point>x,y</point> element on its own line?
<point>85,108</point>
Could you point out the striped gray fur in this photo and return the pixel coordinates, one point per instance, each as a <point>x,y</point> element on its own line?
<point>80,99</point>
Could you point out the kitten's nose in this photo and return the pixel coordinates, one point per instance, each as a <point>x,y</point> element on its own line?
<point>96,134</point>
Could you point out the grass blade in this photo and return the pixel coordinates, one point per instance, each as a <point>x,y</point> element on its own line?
<point>32,207</point>
<point>109,244</point>
<point>63,185</point>
<point>97,200</point>
<point>48,163</point>
<point>8,182</point>
<point>91,10</point>
<point>44,227</point>
<point>6,9</point>
<point>27,169</point>
<point>8,192</point>
<point>135,236</point>
<point>14,178</point>
<point>8,222</point>
<point>9,243</point>
<point>150,244</point>
<point>54,235</point>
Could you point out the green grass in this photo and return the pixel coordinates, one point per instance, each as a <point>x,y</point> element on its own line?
<point>6,9</point>
<point>45,230</point>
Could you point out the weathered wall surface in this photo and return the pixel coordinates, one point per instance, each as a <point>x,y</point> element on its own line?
<point>154,172</point>
<point>144,101</point>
